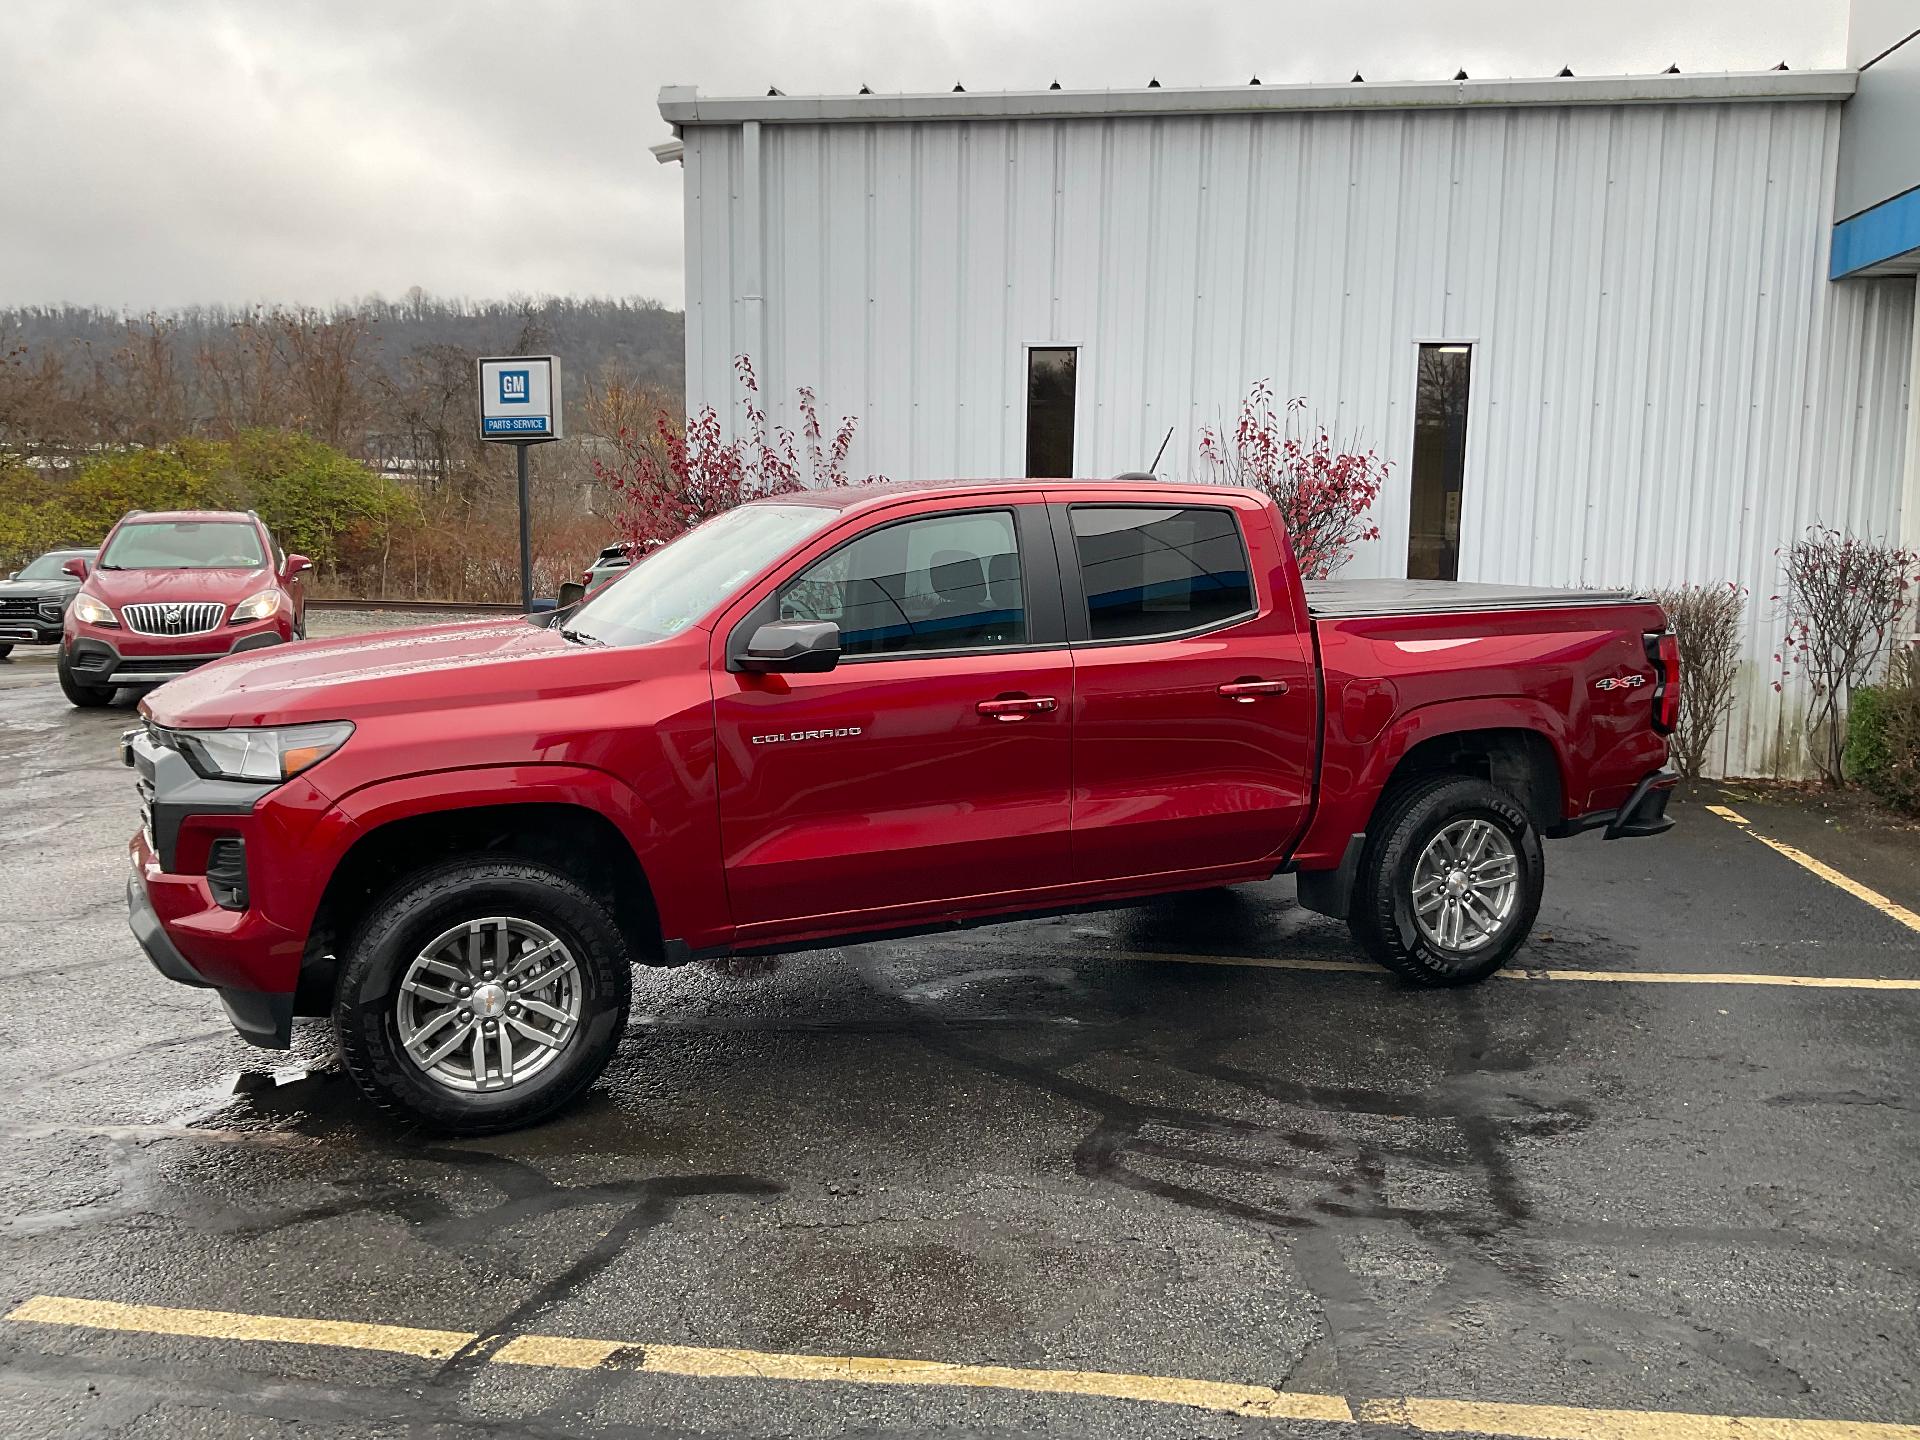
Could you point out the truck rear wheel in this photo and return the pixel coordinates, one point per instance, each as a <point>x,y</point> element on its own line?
<point>482,995</point>
<point>87,697</point>
<point>1449,883</point>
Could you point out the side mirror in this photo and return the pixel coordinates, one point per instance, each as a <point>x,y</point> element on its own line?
<point>793,647</point>
<point>571,594</point>
<point>76,567</point>
<point>298,565</point>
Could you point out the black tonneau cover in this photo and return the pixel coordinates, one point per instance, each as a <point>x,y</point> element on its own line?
<point>1346,599</point>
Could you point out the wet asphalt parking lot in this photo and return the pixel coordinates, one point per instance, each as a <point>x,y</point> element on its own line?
<point>1116,1144</point>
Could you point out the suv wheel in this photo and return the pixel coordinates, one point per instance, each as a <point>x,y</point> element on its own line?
<point>1450,882</point>
<point>6,648</point>
<point>85,696</point>
<point>482,995</point>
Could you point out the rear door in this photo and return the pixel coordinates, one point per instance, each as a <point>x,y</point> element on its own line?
<point>927,773</point>
<point>1194,720</point>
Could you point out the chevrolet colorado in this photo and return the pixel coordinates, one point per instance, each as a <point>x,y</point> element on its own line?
<point>867,712</point>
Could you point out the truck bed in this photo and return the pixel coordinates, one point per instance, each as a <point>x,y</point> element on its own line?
<point>1348,599</point>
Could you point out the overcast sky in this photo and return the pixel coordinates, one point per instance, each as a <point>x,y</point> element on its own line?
<point>163,152</point>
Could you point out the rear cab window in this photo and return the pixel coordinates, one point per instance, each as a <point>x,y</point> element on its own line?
<point>1150,571</point>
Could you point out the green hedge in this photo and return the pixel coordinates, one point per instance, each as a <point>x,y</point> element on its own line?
<point>1883,739</point>
<point>317,501</point>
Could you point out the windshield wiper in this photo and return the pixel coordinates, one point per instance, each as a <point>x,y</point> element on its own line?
<point>581,637</point>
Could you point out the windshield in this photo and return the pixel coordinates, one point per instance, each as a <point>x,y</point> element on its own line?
<point>48,567</point>
<point>695,574</point>
<point>184,545</point>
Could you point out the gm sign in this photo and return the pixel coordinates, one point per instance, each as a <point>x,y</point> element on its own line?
<point>520,398</point>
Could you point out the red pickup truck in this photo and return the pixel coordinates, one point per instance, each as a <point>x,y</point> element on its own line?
<point>868,712</point>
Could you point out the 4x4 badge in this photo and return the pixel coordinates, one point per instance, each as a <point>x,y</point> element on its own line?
<point>1625,682</point>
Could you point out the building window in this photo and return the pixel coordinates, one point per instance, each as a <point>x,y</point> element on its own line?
<point>1439,462</point>
<point>1050,384</point>
<point>1149,570</point>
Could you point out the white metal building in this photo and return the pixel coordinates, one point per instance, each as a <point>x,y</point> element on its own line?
<point>1651,378</point>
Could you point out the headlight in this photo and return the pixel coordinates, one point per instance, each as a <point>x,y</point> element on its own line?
<point>92,611</point>
<point>274,754</point>
<point>263,606</point>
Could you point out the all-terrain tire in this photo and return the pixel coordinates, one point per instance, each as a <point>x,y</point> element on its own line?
<point>87,697</point>
<point>6,648</point>
<point>1382,912</point>
<point>426,904</point>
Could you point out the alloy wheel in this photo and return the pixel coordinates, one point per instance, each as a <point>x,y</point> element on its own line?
<point>489,1004</point>
<point>1465,885</point>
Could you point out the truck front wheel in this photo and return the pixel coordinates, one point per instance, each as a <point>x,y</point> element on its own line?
<point>482,995</point>
<point>1449,883</point>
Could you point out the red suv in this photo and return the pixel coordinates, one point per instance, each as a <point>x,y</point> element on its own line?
<point>173,590</point>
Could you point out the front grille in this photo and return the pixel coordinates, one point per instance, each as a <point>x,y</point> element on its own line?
<point>20,607</point>
<point>144,788</point>
<point>191,619</point>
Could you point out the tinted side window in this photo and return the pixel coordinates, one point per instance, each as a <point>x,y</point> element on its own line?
<point>948,582</point>
<point>1152,570</point>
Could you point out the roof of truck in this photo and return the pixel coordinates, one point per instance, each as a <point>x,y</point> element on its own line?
<point>847,497</point>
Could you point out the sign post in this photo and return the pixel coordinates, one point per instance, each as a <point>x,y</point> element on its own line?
<point>520,406</point>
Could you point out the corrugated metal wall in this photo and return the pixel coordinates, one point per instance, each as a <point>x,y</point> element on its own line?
<point>1665,388</point>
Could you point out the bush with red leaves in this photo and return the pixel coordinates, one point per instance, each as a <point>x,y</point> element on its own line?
<point>1324,488</point>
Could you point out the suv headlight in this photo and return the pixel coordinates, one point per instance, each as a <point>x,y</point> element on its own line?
<point>263,606</point>
<point>93,612</point>
<point>273,754</point>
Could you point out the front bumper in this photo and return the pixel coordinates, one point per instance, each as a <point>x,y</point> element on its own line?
<point>29,630</point>
<point>97,661</point>
<point>260,1017</point>
<point>249,960</point>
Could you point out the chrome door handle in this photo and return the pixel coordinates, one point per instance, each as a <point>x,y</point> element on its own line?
<point>1017,707</point>
<point>1248,691</point>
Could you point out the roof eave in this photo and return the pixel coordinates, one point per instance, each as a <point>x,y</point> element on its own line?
<point>684,105</point>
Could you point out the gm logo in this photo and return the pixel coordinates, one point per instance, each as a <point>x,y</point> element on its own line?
<point>515,387</point>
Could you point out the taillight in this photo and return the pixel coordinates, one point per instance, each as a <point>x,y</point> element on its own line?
<point>1664,651</point>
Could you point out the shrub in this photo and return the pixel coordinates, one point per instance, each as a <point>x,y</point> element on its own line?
<point>1842,598</point>
<point>314,499</point>
<point>1883,735</point>
<point>1323,488</point>
<point>1706,619</point>
<point>669,481</point>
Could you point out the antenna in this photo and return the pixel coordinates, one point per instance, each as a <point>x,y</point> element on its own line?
<point>1161,451</point>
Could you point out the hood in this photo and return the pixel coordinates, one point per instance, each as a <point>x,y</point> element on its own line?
<point>61,585</point>
<point>358,676</point>
<point>176,587</point>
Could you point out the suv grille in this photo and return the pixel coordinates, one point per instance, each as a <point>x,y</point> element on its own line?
<point>173,619</point>
<point>18,607</point>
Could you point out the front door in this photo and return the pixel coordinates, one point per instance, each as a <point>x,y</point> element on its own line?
<point>1194,685</point>
<point>927,774</point>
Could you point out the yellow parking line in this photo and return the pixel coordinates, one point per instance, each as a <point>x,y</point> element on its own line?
<point>1625,977</point>
<point>1892,909</point>
<point>225,1325</point>
<point>1432,1416</point>
<point>1566,1422</point>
